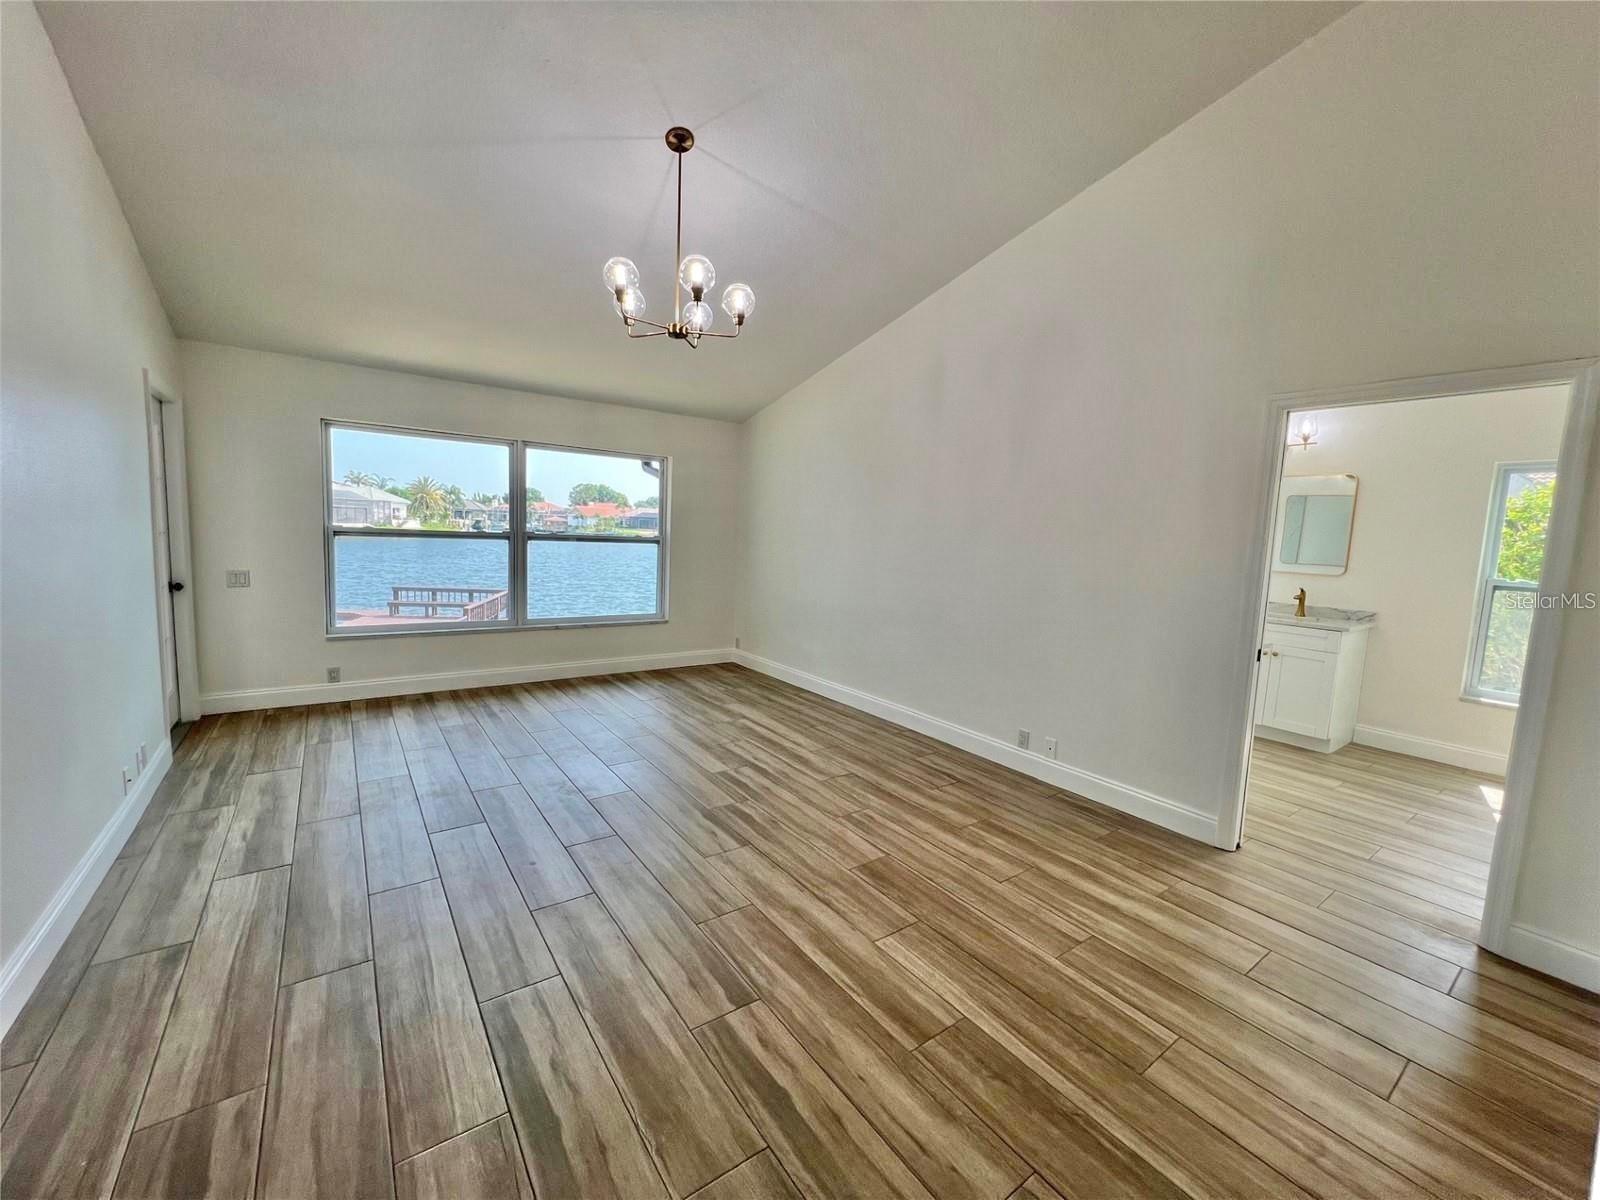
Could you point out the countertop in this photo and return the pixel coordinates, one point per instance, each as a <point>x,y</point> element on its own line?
<point>1319,617</point>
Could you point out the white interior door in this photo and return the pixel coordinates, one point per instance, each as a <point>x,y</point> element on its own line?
<point>165,630</point>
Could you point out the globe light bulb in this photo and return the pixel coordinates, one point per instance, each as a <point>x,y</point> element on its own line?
<point>620,273</point>
<point>738,301</point>
<point>697,274</point>
<point>697,316</point>
<point>631,303</point>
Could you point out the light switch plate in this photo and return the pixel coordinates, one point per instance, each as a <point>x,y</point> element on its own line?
<point>238,579</point>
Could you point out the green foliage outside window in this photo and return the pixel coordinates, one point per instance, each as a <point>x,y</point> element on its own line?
<point>1522,535</point>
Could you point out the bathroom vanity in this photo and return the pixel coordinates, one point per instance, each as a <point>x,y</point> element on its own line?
<point>1309,683</point>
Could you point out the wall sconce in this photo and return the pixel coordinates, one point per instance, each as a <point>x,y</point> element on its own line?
<point>1303,430</point>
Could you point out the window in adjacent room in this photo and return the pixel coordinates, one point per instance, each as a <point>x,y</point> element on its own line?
<point>1508,582</point>
<point>421,533</point>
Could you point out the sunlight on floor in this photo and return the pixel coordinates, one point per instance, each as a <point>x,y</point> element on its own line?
<point>1493,796</point>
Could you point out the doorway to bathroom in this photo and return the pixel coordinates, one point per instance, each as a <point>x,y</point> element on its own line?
<point>1416,546</point>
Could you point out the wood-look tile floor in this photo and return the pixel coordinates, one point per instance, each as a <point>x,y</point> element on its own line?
<point>697,933</point>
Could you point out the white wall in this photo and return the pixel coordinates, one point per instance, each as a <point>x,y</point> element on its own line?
<point>1048,475</point>
<point>1424,469</point>
<point>255,463</point>
<point>1555,914</point>
<point>77,584</point>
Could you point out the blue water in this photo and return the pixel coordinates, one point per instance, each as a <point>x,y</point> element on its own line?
<point>566,579</point>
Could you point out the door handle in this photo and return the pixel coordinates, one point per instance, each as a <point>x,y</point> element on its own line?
<point>174,585</point>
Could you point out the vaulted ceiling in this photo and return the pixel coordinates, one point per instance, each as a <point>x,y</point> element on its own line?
<point>434,187</point>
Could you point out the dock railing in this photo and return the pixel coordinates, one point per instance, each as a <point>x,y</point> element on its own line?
<point>448,603</point>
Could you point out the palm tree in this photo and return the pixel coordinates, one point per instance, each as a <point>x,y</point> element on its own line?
<point>429,501</point>
<point>360,478</point>
<point>486,498</point>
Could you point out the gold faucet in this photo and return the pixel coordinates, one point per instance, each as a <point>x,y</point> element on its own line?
<point>1300,603</point>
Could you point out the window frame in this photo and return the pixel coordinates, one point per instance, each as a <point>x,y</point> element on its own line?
<point>516,535</point>
<point>1489,582</point>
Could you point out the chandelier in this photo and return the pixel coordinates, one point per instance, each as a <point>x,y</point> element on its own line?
<point>692,321</point>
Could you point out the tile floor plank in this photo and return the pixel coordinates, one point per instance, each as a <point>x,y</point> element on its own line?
<point>475,754</point>
<point>442,791</point>
<point>757,1178</point>
<point>1056,1137</point>
<point>328,723</point>
<point>280,741</point>
<point>699,888</point>
<point>210,1152</point>
<point>1190,1153</point>
<point>541,865</point>
<point>441,1078</point>
<point>676,807</point>
<point>328,781</point>
<point>698,980</point>
<point>499,939</point>
<point>326,1130</point>
<point>577,1137</point>
<point>163,905</point>
<point>907,1010</point>
<point>68,1129</point>
<point>827,1147</point>
<point>327,926</point>
<point>692,1125</point>
<point>950,1151</point>
<point>379,754</point>
<point>482,1164</point>
<point>566,808</point>
<point>262,833</point>
<point>398,850</point>
<point>33,1025</point>
<point>218,1039</point>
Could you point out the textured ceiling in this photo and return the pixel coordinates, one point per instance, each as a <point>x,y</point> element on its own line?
<point>434,187</point>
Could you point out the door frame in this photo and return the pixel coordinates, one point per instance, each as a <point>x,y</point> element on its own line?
<point>1561,543</point>
<point>180,555</point>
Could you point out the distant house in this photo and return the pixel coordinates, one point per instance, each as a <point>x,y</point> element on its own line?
<point>363,504</point>
<point>499,516</point>
<point>642,518</point>
<point>469,514</point>
<point>599,515</point>
<point>545,517</point>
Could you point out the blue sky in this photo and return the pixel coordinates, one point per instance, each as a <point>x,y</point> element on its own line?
<point>478,467</point>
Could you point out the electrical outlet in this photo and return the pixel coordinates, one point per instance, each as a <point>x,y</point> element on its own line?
<point>334,674</point>
<point>127,780</point>
<point>1049,747</point>
<point>238,579</point>
<point>738,643</point>
<point>1023,737</point>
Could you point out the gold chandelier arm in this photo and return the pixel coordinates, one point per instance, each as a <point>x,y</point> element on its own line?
<point>630,322</point>
<point>734,334</point>
<point>656,333</point>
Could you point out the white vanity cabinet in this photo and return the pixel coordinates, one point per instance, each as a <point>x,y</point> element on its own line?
<point>1309,682</point>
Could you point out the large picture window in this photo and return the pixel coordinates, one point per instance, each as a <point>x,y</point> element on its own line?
<point>421,533</point>
<point>1508,580</point>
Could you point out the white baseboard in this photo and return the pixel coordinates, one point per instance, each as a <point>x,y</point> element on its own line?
<point>26,966</point>
<point>1487,761</point>
<point>1553,956</point>
<point>1158,810</point>
<point>449,681</point>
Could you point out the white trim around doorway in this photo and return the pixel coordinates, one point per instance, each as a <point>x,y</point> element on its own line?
<point>1583,375</point>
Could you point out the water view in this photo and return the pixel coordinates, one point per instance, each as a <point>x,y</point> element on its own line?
<point>566,579</point>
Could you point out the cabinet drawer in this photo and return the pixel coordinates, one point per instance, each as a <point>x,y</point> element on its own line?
<point>1301,637</point>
